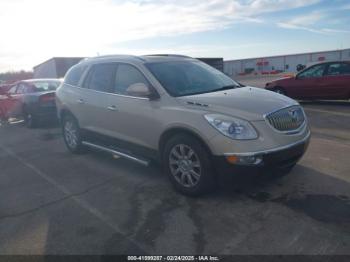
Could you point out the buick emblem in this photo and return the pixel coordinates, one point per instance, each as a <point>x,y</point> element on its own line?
<point>294,115</point>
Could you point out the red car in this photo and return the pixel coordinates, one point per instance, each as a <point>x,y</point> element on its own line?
<point>5,88</point>
<point>34,100</point>
<point>329,80</point>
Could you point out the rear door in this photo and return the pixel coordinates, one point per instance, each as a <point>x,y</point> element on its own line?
<point>98,87</point>
<point>14,101</point>
<point>7,102</point>
<point>309,84</point>
<point>337,81</point>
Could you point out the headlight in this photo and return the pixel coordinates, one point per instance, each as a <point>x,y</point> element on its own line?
<point>232,127</point>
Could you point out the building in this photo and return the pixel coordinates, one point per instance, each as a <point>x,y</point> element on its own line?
<point>55,67</point>
<point>217,63</point>
<point>283,63</point>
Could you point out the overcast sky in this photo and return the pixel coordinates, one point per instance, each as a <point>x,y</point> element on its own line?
<point>35,30</point>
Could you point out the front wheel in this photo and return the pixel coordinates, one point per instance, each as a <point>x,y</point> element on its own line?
<point>71,134</point>
<point>280,91</point>
<point>188,165</point>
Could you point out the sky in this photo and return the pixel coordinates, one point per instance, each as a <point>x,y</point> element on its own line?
<point>32,31</point>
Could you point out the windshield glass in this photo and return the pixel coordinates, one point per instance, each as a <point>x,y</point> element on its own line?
<point>183,78</point>
<point>43,86</point>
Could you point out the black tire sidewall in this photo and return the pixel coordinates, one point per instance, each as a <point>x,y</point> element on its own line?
<point>29,123</point>
<point>79,148</point>
<point>207,180</point>
<point>282,92</point>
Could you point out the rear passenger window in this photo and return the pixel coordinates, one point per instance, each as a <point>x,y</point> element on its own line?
<point>338,69</point>
<point>102,78</point>
<point>22,89</point>
<point>128,75</point>
<point>74,75</point>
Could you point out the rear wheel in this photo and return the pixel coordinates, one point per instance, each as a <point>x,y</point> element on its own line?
<point>188,165</point>
<point>3,118</point>
<point>71,134</point>
<point>30,120</point>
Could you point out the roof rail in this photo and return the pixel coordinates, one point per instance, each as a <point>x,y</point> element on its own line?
<point>174,55</point>
<point>116,56</point>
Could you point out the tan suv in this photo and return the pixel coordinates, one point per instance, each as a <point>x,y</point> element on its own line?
<point>181,112</point>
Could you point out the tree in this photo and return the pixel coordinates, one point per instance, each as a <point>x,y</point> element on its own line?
<point>13,76</point>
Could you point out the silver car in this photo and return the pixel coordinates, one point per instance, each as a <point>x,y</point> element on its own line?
<point>193,119</point>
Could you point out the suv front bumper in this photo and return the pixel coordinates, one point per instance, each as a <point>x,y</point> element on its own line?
<point>272,159</point>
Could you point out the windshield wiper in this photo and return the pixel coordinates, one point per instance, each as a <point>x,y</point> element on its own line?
<point>211,91</point>
<point>225,88</point>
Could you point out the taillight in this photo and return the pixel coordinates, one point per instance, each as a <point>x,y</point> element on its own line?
<point>47,98</point>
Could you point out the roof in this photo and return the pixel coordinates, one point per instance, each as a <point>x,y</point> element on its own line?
<point>138,59</point>
<point>41,80</point>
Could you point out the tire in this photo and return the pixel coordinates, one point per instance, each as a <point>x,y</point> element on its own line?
<point>280,90</point>
<point>72,134</point>
<point>188,164</point>
<point>30,120</point>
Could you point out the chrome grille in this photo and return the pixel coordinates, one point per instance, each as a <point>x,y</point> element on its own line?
<point>287,119</point>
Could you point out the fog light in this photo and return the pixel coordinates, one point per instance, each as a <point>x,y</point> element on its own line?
<point>244,160</point>
<point>250,160</point>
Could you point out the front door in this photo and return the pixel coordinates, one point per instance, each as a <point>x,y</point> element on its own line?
<point>131,118</point>
<point>309,84</point>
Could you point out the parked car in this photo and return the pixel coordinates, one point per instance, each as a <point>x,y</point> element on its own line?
<point>34,100</point>
<point>330,80</point>
<point>5,88</point>
<point>181,112</point>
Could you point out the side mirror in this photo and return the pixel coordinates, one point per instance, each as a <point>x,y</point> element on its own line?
<point>140,90</point>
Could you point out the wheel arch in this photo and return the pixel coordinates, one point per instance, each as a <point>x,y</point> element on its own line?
<point>280,88</point>
<point>167,134</point>
<point>65,112</point>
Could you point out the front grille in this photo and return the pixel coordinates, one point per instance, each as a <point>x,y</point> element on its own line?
<point>287,119</point>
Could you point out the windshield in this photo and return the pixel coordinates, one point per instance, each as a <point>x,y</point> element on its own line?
<point>183,78</point>
<point>44,86</point>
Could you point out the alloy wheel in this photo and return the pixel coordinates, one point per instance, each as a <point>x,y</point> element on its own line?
<point>185,165</point>
<point>70,134</point>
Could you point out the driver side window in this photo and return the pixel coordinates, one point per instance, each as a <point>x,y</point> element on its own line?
<point>126,76</point>
<point>12,91</point>
<point>312,72</point>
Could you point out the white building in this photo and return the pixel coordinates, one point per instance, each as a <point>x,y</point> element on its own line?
<point>283,63</point>
<point>55,67</point>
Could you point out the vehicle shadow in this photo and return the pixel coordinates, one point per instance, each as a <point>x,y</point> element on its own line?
<point>148,209</point>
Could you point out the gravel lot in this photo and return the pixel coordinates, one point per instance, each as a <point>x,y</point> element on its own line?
<point>53,202</point>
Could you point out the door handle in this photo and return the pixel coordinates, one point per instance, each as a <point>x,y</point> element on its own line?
<point>112,108</point>
<point>81,101</point>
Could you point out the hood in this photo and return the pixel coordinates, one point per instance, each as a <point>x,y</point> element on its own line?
<point>282,79</point>
<point>249,103</point>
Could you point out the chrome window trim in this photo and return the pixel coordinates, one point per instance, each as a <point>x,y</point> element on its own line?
<point>119,95</point>
<point>289,132</point>
<point>117,63</point>
<point>264,152</point>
